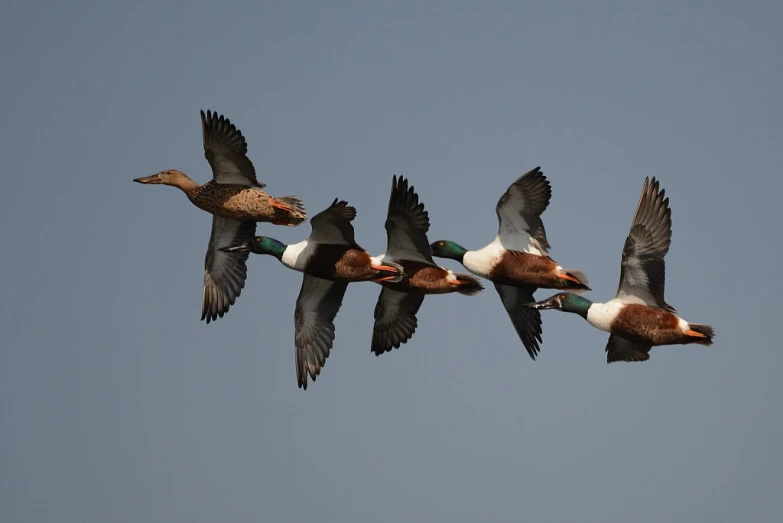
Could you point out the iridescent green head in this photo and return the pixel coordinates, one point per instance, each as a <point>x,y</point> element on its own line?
<point>448,249</point>
<point>259,245</point>
<point>566,302</point>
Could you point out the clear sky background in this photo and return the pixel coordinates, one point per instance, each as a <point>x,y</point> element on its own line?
<point>118,405</point>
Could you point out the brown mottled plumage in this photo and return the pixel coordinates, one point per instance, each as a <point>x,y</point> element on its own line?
<point>236,200</point>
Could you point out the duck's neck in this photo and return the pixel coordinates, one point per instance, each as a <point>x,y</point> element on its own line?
<point>577,305</point>
<point>274,248</point>
<point>186,185</point>
<point>296,255</point>
<point>455,251</point>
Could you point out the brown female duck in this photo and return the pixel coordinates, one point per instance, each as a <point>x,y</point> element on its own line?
<point>237,201</point>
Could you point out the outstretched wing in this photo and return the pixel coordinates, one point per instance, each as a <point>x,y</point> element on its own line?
<point>318,303</point>
<point>224,272</point>
<point>621,349</point>
<point>519,214</point>
<point>333,225</point>
<point>643,270</point>
<point>526,321</point>
<point>407,224</point>
<point>395,319</point>
<point>226,151</point>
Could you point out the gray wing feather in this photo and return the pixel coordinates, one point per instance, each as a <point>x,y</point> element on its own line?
<point>407,224</point>
<point>643,269</point>
<point>622,349</point>
<point>526,321</point>
<point>395,319</point>
<point>224,272</point>
<point>333,225</point>
<point>519,213</point>
<point>318,303</point>
<point>226,151</point>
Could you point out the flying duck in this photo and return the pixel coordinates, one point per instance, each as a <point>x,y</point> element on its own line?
<point>236,200</point>
<point>517,261</point>
<point>406,225</point>
<point>330,258</point>
<point>638,317</point>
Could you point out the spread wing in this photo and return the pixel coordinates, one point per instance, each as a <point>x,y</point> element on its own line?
<point>519,214</point>
<point>395,319</point>
<point>526,321</point>
<point>224,272</point>
<point>226,151</point>
<point>318,303</point>
<point>333,225</point>
<point>407,224</point>
<point>621,349</point>
<point>643,270</point>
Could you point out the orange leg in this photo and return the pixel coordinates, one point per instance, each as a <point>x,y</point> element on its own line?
<point>386,268</point>
<point>694,334</point>
<point>280,206</point>
<point>568,277</point>
<point>384,278</point>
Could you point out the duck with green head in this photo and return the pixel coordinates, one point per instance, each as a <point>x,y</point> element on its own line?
<point>236,200</point>
<point>330,258</point>
<point>638,317</point>
<point>517,261</point>
<point>406,226</point>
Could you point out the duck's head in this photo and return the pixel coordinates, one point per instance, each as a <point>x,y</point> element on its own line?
<point>565,301</point>
<point>170,177</point>
<point>258,245</point>
<point>448,249</point>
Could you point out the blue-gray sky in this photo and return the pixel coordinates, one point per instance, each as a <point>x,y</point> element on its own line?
<point>118,405</point>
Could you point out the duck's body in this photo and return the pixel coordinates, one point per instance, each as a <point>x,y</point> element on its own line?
<point>518,268</point>
<point>517,261</point>
<point>239,202</point>
<point>330,258</point>
<point>638,318</point>
<point>406,226</point>
<point>236,200</point>
<point>332,261</point>
<point>421,278</point>
<point>646,325</point>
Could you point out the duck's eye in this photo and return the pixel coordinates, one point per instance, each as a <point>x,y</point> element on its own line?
<point>258,240</point>
<point>441,244</point>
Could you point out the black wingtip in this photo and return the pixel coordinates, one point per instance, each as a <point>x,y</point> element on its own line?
<point>404,200</point>
<point>342,209</point>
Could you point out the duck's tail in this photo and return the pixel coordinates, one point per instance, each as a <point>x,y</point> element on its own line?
<point>468,285</point>
<point>292,208</point>
<point>700,333</point>
<point>574,280</point>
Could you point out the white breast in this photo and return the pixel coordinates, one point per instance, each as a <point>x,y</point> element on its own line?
<point>482,261</point>
<point>601,315</point>
<point>296,255</point>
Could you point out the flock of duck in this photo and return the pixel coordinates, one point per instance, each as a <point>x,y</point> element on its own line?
<point>517,261</point>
